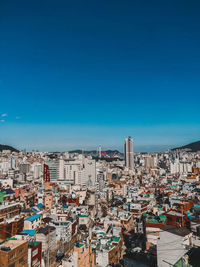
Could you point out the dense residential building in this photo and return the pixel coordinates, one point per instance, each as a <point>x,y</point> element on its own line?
<point>14,253</point>
<point>8,211</point>
<point>47,235</point>
<point>84,210</point>
<point>32,222</point>
<point>34,253</point>
<point>11,227</point>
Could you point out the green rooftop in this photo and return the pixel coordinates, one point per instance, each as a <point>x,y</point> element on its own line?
<point>2,194</point>
<point>101,233</point>
<point>152,219</point>
<point>80,245</point>
<point>108,247</point>
<point>33,243</point>
<point>116,239</point>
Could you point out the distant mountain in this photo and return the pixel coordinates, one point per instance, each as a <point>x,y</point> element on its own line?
<point>193,147</point>
<point>79,151</point>
<point>93,152</point>
<point>5,147</point>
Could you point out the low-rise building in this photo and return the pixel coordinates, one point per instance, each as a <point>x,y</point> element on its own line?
<point>34,253</point>
<point>108,251</point>
<point>33,221</point>
<point>172,245</point>
<point>8,211</point>
<point>47,235</point>
<point>11,227</point>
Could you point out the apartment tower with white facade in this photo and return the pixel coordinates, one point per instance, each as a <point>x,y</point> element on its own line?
<point>129,153</point>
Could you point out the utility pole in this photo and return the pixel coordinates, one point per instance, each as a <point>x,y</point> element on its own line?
<point>90,248</point>
<point>48,265</point>
<point>182,214</point>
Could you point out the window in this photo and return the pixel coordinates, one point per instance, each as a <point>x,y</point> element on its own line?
<point>21,260</point>
<point>35,261</point>
<point>12,256</point>
<point>35,252</point>
<point>21,250</point>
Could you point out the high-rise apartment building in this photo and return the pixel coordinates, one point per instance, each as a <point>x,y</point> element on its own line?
<point>80,171</point>
<point>53,169</point>
<point>73,171</point>
<point>24,168</point>
<point>129,153</point>
<point>150,162</point>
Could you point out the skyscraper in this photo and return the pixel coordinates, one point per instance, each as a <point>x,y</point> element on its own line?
<point>129,153</point>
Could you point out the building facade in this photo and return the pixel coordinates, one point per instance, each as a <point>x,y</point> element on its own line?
<point>129,153</point>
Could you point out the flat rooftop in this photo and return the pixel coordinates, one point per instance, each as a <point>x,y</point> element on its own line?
<point>13,243</point>
<point>181,231</point>
<point>33,217</point>
<point>175,213</point>
<point>4,206</point>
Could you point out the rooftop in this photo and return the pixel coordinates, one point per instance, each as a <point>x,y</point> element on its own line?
<point>181,231</point>
<point>175,213</point>
<point>79,245</point>
<point>155,219</point>
<point>33,218</point>
<point>12,243</point>
<point>32,244</point>
<point>116,239</point>
<point>40,205</point>
<point>4,206</point>
<point>46,229</point>
<point>82,215</point>
<point>29,232</point>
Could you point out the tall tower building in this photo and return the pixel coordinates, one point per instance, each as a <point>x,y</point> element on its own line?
<point>129,153</point>
<point>99,151</point>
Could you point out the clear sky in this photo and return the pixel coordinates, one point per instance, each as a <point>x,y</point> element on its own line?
<point>75,74</point>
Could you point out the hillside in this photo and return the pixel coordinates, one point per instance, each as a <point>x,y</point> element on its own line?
<point>193,147</point>
<point>5,147</point>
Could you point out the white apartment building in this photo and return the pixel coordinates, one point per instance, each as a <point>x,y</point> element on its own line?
<point>129,153</point>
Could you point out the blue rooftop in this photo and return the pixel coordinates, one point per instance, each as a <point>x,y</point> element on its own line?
<point>29,232</point>
<point>33,209</point>
<point>33,218</point>
<point>9,191</point>
<point>40,205</point>
<point>191,217</point>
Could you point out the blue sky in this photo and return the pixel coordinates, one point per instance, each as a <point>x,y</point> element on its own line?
<point>75,74</point>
